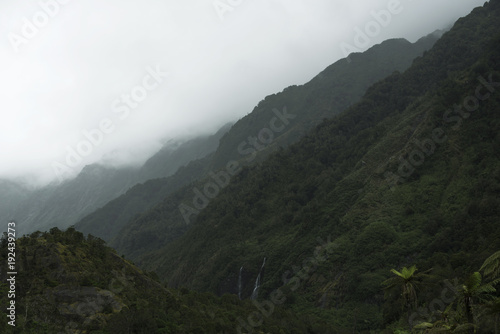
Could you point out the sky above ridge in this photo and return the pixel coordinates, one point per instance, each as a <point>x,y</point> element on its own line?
<point>109,81</point>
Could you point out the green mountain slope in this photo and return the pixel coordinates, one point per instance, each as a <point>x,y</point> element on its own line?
<point>174,161</point>
<point>333,90</point>
<point>107,221</point>
<point>70,284</point>
<point>402,177</point>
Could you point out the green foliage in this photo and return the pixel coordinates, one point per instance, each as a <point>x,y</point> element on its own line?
<point>477,304</point>
<point>491,265</point>
<point>408,282</point>
<point>107,221</point>
<point>471,293</point>
<point>147,216</point>
<point>333,182</point>
<point>88,288</point>
<point>339,86</point>
<point>324,212</point>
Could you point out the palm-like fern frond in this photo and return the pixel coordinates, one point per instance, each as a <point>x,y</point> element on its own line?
<point>472,282</point>
<point>443,327</point>
<point>491,266</point>
<point>408,280</point>
<point>493,307</point>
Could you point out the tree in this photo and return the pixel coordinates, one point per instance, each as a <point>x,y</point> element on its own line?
<point>409,281</point>
<point>473,292</point>
<point>491,268</point>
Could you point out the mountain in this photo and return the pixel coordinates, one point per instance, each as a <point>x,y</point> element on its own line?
<point>382,214</point>
<point>332,91</point>
<point>106,222</point>
<point>137,221</point>
<point>64,204</point>
<point>11,195</point>
<point>171,157</point>
<point>409,175</point>
<point>61,205</point>
<point>66,283</point>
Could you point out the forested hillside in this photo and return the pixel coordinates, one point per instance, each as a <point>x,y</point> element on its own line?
<point>410,175</point>
<point>330,92</point>
<point>67,283</point>
<point>170,160</point>
<point>291,113</point>
<point>366,200</point>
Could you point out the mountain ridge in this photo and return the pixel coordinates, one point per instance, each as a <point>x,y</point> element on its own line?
<point>64,204</point>
<point>334,182</point>
<point>342,79</point>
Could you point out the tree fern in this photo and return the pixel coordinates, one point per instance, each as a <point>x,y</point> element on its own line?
<point>491,266</point>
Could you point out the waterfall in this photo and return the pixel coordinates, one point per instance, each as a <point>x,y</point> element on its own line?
<point>239,283</point>
<point>255,292</point>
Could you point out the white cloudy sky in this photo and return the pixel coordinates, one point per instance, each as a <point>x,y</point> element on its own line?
<point>62,78</point>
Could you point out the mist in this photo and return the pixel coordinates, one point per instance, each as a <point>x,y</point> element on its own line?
<point>87,82</point>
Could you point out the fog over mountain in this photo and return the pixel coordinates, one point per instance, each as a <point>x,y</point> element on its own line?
<point>227,166</point>
<point>85,82</point>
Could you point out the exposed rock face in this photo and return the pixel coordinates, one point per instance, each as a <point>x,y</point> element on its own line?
<point>88,307</point>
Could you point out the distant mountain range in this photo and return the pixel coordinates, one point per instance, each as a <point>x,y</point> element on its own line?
<point>64,204</point>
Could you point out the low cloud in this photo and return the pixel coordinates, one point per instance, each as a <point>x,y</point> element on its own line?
<point>64,63</point>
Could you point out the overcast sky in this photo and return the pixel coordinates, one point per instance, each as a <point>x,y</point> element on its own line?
<point>144,71</point>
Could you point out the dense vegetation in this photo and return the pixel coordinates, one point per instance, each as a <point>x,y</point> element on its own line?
<point>383,218</point>
<point>339,86</point>
<point>107,221</point>
<point>350,180</point>
<point>144,195</point>
<point>329,93</point>
<point>323,96</point>
<point>72,284</point>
